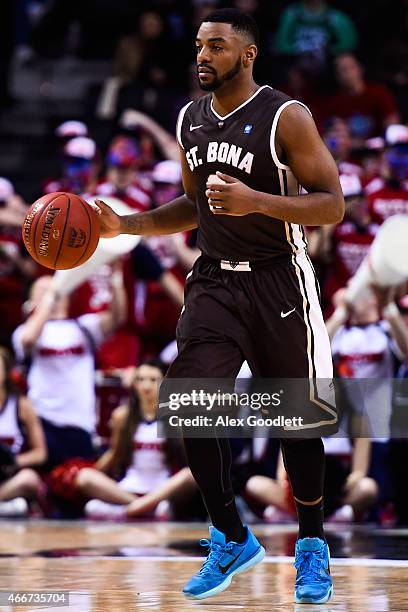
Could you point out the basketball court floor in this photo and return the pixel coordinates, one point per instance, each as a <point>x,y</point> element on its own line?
<point>119,567</point>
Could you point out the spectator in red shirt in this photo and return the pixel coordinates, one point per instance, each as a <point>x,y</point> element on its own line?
<point>368,107</point>
<point>16,267</point>
<point>370,157</point>
<point>388,194</point>
<point>70,129</point>
<point>80,167</point>
<point>344,246</point>
<point>123,180</point>
<point>338,140</point>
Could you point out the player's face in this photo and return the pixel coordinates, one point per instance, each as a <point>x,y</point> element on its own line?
<point>219,54</point>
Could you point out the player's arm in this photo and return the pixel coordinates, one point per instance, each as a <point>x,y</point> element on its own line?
<point>178,215</point>
<point>35,436</point>
<point>298,143</point>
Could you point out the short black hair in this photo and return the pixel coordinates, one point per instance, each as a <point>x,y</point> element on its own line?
<point>240,22</point>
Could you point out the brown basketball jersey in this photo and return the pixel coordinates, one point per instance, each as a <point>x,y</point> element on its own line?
<point>240,144</point>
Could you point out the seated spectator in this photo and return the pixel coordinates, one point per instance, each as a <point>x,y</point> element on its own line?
<point>394,68</point>
<point>368,107</point>
<point>123,179</point>
<point>370,158</point>
<point>148,464</point>
<point>70,129</point>
<point>314,27</point>
<point>61,375</point>
<point>22,446</point>
<point>17,269</point>
<point>343,246</point>
<point>387,194</point>
<point>338,140</point>
<point>399,440</point>
<point>134,120</point>
<point>136,337</point>
<point>348,491</point>
<point>302,80</point>
<point>141,68</point>
<point>80,167</point>
<point>177,252</point>
<point>252,471</point>
<point>366,336</point>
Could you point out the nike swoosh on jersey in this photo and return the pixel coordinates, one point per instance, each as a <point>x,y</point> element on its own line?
<point>224,569</point>
<point>286,314</point>
<point>195,127</point>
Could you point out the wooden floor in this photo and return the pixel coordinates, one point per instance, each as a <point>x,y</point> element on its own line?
<point>109,567</point>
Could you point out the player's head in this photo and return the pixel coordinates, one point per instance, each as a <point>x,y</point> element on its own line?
<point>227,45</point>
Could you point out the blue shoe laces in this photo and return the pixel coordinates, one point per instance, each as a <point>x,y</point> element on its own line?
<point>310,563</point>
<point>214,555</point>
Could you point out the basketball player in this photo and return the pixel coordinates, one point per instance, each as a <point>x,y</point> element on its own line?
<point>252,294</point>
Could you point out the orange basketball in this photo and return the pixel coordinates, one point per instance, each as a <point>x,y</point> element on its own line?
<point>61,231</point>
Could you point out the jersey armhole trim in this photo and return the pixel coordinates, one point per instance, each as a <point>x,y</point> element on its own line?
<point>274,127</point>
<point>180,123</point>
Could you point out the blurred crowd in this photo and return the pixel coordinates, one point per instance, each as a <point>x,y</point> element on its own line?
<point>79,374</point>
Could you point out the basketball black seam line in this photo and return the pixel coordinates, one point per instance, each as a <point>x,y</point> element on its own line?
<point>39,219</point>
<point>90,233</point>
<point>63,232</point>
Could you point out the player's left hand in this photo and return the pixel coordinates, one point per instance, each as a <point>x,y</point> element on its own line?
<point>235,198</point>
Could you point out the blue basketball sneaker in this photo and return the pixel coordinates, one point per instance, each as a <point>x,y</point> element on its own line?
<point>225,559</point>
<point>313,581</point>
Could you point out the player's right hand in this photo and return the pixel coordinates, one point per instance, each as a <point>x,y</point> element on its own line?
<point>109,221</point>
